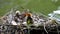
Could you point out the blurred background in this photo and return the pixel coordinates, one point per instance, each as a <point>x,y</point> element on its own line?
<point>40,6</point>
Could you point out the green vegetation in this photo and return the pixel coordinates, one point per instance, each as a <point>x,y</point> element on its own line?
<point>43,6</point>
